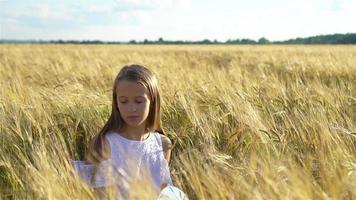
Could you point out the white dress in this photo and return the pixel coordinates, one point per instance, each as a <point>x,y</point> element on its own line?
<point>131,160</point>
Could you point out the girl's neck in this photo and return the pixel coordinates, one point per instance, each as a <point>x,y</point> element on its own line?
<point>134,133</point>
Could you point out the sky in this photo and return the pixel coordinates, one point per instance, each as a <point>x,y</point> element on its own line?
<point>125,20</point>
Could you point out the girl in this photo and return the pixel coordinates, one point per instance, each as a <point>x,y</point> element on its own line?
<point>131,147</point>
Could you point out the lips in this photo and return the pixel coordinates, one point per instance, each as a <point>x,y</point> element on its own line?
<point>132,117</point>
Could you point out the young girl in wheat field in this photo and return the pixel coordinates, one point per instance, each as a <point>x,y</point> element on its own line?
<point>131,152</point>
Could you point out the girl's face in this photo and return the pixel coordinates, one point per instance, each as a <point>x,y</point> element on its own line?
<point>133,102</point>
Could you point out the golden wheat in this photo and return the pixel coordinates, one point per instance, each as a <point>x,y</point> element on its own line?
<point>248,122</point>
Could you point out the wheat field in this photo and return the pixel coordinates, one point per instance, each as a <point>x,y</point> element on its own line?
<point>247,122</point>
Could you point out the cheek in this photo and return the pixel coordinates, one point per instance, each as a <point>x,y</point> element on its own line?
<point>122,107</point>
<point>119,106</point>
<point>146,107</point>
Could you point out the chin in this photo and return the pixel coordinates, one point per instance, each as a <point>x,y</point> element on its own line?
<point>134,123</point>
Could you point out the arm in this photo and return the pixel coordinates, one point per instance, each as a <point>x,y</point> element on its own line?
<point>96,175</point>
<point>167,147</point>
<point>100,193</point>
<point>104,192</point>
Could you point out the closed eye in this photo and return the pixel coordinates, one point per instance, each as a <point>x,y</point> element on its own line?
<point>123,102</point>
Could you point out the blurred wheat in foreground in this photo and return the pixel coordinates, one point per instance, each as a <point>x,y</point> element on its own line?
<point>247,122</point>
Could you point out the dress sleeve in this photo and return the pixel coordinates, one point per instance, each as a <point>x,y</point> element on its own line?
<point>86,172</point>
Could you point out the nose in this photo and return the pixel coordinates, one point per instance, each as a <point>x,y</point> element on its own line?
<point>132,108</point>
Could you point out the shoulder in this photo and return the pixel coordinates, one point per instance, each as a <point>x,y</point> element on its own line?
<point>99,149</point>
<point>166,142</point>
<point>106,145</point>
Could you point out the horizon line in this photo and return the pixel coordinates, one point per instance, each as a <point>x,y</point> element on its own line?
<point>176,40</point>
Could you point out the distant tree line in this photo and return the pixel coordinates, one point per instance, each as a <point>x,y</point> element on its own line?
<point>348,38</point>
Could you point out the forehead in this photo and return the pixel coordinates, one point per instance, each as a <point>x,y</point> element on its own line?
<point>131,89</point>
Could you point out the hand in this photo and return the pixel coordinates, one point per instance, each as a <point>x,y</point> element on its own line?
<point>163,186</point>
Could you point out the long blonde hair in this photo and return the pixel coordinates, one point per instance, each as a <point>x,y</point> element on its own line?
<point>98,151</point>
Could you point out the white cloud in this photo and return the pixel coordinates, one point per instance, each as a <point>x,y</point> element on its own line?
<point>100,8</point>
<point>347,5</point>
<point>39,11</point>
<point>142,4</point>
<point>180,19</point>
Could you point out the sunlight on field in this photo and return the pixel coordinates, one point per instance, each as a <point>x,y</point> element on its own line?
<point>247,122</point>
